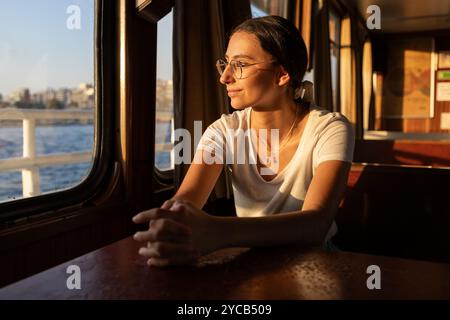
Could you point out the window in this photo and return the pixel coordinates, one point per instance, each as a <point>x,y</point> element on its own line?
<point>47,96</point>
<point>164,157</point>
<point>335,30</point>
<point>262,8</point>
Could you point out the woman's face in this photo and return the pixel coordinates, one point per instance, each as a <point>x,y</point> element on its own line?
<point>260,85</point>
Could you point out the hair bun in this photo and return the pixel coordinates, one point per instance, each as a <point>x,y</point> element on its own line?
<point>305,92</point>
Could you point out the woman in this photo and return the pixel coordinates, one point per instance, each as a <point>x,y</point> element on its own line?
<point>291,193</point>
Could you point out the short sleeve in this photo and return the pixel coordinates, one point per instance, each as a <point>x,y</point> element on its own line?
<point>336,141</point>
<point>213,142</point>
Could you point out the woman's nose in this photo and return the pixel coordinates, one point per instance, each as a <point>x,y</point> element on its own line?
<point>227,75</point>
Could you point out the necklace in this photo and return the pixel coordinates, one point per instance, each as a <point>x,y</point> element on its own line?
<point>288,135</point>
<point>285,140</point>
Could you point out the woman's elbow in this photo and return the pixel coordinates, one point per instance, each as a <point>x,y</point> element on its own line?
<point>321,229</point>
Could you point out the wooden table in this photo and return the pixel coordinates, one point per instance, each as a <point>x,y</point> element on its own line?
<point>118,272</point>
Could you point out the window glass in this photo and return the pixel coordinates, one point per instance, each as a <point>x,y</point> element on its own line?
<point>262,8</point>
<point>47,95</point>
<point>164,158</point>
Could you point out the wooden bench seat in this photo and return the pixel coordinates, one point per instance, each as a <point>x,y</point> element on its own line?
<point>398,211</point>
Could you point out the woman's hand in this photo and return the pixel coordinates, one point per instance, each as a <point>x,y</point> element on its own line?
<point>178,233</point>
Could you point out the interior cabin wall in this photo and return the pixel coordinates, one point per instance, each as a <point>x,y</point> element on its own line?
<point>381,47</point>
<point>393,210</point>
<point>40,247</point>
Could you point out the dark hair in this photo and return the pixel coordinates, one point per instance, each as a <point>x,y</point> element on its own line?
<point>279,37</point>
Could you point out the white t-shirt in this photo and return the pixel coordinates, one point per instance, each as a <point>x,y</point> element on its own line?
<point>326,136</point>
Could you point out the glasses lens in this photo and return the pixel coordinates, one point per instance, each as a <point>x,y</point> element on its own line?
<point>237,70</point>
<point>221,65</point>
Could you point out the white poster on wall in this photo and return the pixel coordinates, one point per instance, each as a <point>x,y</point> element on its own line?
<point>443,91</point>
<point>445,121</point>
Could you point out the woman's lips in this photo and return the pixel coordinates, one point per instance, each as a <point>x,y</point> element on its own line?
<point>233,93</point>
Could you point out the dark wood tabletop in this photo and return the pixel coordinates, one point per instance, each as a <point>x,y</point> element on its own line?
<point>118,272</point>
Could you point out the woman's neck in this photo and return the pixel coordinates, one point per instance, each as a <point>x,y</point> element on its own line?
<point>280,117</point>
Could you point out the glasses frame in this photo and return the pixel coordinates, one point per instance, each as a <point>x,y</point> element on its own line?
<point>234,67</point>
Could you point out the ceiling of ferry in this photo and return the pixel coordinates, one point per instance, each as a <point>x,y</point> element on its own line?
<point>409,15</point>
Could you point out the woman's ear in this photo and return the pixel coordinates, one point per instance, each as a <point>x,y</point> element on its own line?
<point>283,77</point>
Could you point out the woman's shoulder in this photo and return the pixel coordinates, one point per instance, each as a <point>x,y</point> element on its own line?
<point>235,120</point>
<point>323,118</point>
<point>323,114</point>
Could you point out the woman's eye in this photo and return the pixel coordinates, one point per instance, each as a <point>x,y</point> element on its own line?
<point>241,64</point>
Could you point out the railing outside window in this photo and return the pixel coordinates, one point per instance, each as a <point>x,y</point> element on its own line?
<point>30,162</point>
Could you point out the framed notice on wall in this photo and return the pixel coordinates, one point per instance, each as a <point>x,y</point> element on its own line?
<point>408,84</point>
<point>444,59</point>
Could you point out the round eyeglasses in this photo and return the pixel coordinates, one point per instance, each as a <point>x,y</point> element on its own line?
<point>237,67</point>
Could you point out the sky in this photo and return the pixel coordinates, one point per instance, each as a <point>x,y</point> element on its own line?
<point>164,45</point>
<point>37,50</point>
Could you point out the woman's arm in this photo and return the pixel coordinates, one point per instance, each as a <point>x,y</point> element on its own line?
<point>198,183</point>
<point>208,233</point>
<point>168,240</point>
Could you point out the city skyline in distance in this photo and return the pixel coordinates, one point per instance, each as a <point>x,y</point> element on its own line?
<point>82,96</point>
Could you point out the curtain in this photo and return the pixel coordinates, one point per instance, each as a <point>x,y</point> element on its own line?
<point>347,72</point>
<point>353,73</point>
<point>295,12</point>
<point>274,7</point>
<point>300,13</point>
<point>304,23</point>
<point>368,112</point>
<point>199,39</point>
<point>322,64</point>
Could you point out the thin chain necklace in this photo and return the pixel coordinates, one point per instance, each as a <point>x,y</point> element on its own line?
<point>288,135</point>
<point>285,140</point>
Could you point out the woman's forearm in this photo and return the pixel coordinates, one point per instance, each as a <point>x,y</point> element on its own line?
<point>302,228</point>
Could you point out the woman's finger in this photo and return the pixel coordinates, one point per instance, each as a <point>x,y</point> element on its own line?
<point>164,230</point>
<point>152,214</point>
<point>152,236</point>
<point>166,250</point>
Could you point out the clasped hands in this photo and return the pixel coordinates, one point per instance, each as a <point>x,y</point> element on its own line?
<point>178,233</point>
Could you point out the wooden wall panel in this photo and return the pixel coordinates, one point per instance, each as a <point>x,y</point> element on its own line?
<point>409,125</point>
<point>416,125</point>
<point>28,256</point>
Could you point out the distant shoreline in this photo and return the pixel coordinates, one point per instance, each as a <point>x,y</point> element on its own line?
<point>45,123</point>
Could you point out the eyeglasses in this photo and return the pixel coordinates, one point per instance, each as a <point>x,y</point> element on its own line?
<point>237,67</point>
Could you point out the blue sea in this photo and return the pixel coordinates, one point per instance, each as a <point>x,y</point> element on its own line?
<point>58,139</point>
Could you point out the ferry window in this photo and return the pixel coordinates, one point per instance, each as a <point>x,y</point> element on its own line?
<point>335,30</point>
<point>262,8</point>
<point>47,103</point>
<point>164,156</point>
